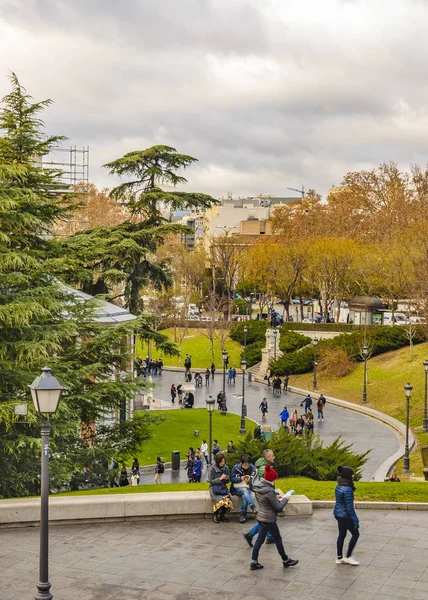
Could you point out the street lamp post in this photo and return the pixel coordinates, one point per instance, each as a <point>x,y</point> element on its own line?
<point>245,341</point>
<point>314,383</point>
<point>225,358</point>
<point>275,333</point>
<point>210,402</point>
<point>365,355</point>
<point>243,407</point>
<point>425,424</point>
<point>408,389</point>
<point>46,392</point>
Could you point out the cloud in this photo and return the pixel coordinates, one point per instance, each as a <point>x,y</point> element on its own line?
<point>267,95</point>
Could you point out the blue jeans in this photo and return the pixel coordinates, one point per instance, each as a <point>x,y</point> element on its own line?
<point>273,529</point>
<point>256,529</point>
<point>246,498</point>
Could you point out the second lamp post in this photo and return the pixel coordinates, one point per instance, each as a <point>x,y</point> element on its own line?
<point>314,383</point>
<point>365,356</point>
<point>243,407</point>
<point>210,408</point>
<point>408,389</point>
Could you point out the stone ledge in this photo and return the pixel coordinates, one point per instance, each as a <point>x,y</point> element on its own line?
<point>374,505</point>
<point>122,507</point>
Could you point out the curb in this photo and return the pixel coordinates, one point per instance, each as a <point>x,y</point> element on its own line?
<point>368,505</point>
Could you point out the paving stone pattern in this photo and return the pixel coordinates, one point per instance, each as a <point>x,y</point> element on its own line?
<point>198,560</point>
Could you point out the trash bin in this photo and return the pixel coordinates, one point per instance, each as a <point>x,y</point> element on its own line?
<point>250,376</point>
<point>175,460</point>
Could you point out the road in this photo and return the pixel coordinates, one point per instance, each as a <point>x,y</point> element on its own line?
<point>361,431</point>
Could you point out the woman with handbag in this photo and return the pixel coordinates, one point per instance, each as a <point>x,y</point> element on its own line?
<point>218,478</point>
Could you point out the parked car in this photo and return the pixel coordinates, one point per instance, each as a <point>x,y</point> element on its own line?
<point>394,319</point>
<point>417,320</point>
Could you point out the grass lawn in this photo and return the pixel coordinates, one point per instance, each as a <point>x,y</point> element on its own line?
<point>386,375</point>
<point>199,347</point>
<point>176,433</point>
<point>314,490</point>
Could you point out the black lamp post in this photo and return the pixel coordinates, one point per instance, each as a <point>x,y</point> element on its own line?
<point>46,392</point>
<point>408,389</point>
<point>210,408</point>
<point>243,407</point>
<point>275,333</point>
<point>314,383</point>
<point>365,355</point>
<point>245,341</point>
<point>425,424</point>
<point>225,358</point>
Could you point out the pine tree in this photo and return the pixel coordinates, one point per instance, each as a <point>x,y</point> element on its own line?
<point>124,256</point>
<point>41,322</point>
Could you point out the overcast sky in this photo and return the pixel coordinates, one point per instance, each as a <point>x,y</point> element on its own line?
<point>267,94</point>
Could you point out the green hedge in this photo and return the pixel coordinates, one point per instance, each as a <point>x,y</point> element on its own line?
<point>290,340</point>
<point>256,331</point>
<point>306,456</point>
<point>254,353</point>
<point>379,339</point>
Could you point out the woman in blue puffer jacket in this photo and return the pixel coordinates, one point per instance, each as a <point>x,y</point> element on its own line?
<point>346,516</point>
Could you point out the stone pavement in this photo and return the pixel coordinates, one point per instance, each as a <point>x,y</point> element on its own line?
<point>363,432</point>
<point>198,560</point>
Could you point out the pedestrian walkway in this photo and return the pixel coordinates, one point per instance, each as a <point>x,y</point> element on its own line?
<point>198,560</point>
<point>361,431</point>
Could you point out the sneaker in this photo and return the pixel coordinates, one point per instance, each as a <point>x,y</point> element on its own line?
<point>341,561</point>
<point>289,563</point>
<point>255,566</point>
<point>248,539</point>
<point>351,561</point>
<point>243,518</point>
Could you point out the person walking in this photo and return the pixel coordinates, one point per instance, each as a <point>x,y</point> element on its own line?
<point>307,402</point>
<point>113,471</point>
<point>284,415</point>
<point>242,478</point>
<point>230,376</point>
<point>123,479</point>
<point>207,377</point>
<point>159,470</point>
<point>320,407</point>
<point>136,469</point>
<point>264,408</point>
<point>269,507</point>
<point>345,515</point>
<point>268,458</point>
<point>286,378</point>
<point>212,369</point>
<point>293,419</point>
<point>204,450</point>
<point>173,393</point>
<point>180,393</point>
<point>218,478</point>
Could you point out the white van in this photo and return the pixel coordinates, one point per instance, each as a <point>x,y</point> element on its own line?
<point>192,310</point>
<point>398,319</point>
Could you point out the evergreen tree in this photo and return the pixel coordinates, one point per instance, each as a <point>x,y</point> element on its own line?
<point>123,257</point>
<point>42,322</point>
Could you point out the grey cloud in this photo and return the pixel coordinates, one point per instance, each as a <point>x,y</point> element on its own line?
<point>266,94</point>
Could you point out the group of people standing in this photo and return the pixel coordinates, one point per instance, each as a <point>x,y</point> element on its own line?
<point>148,366</point>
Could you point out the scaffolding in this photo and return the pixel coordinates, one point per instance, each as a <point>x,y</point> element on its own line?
<point>74,171</point>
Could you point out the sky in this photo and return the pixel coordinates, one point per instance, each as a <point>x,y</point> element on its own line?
<point>266,94</point>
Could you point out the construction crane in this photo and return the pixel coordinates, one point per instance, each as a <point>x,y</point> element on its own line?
<point>302,191</point>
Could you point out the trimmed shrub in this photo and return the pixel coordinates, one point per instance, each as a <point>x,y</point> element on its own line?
<point>254,353</point>
<point>256,331</point>
<point>298,326</point>
<point>291,341</point>
<point>294,363</point>
<point>306,456</point>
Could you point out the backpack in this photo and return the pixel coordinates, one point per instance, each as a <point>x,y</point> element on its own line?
<point>161,467</point>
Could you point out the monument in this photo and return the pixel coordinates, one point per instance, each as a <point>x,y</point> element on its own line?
<point>271,351</point>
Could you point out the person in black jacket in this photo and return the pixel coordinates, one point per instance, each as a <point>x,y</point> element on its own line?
<point>269,507</point>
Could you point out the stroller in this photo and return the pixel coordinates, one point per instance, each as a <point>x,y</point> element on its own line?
<point>198,380</point>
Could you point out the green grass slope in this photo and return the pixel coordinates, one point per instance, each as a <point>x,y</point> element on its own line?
<point>387,374</point>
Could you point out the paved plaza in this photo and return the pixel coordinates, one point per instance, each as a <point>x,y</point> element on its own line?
<point>198,560</point>
<point>363,432</point>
